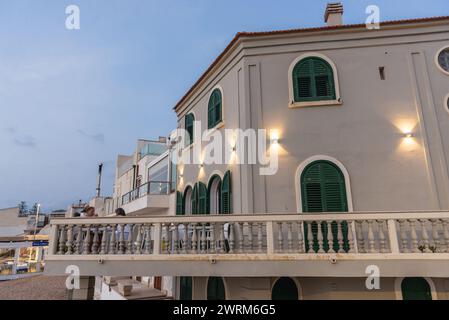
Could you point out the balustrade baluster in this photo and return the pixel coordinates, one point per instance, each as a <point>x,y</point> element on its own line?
<point>104,238</point>
<point>138,239</point>
<point>87,241</point>
<point>300,237</point>
<point>289,237</point>
<point>241,237</point>
<point>330,237</point>
<point>403,235</point>
<point>62,240</point>
<point>424,237</point>
<point>414,237</point>
<point>212,238</point>
<point>231,238</point>
<point>260,237</point>
<point>222,239</point>
<point>203,238</point>
<point>360,236</point>
<point>113,240</point>
<point>436,236</point>
<point>310,237</point>
<point>340,238</point>
<point>147,229</point>
<point>95,241</point>
<point>122,245</point>
<point>194,239</point>
<point>185,239</point>
<point>445,225</point>
<point>320,237</point>
<point>130,242</point>
<point>382,238</point>
<point>280,237</point>
<point>69,243</point>
<point>250,237</point>
<point>371,239</point>
<point>79,240</point>
<point>351,237</point>
<point>174,239</point>
<point>165,242</point>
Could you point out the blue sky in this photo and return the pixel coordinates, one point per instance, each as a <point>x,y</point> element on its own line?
<point>70,99</point>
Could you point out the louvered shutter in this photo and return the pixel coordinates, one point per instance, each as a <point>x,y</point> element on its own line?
<point>214,111</point>
<point>323,190</point>
<point>313,80</point>
<point>202,198</point>
<point>194,200</point>
<point>179,204</point>
<point>226,195</point>
<point>189,127</point>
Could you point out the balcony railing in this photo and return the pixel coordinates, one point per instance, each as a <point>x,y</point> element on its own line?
<point>149,188</point>
<point>251,238</point>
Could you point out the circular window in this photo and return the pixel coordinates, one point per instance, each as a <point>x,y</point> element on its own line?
<point>446,103</point>
<point>443,60</point>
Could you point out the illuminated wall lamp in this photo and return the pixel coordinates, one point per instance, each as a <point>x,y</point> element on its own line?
<point>408,135</point>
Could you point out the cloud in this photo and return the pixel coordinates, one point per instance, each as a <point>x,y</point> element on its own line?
<point>20,139</point>
<point>25,141</point>
<point>99,137</point>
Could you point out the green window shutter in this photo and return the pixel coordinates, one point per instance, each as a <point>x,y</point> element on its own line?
<point>194,200</point>
<point>215,289</point>
<point>323,189</point>
<point>226,194</point>
<point>185,288</point>
<point>202,198</point>
<point>179,204</point>
<point>415,289</point>
<point>214,111</point>
<point>313,80</point>
<point>189,128</point>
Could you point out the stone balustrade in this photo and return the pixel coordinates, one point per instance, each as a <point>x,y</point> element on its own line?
<point>265,235</point>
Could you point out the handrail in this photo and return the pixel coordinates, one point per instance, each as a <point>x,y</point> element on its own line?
<point>256,218</point>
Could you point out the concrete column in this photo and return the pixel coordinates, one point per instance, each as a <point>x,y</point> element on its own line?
<point>86,290</point>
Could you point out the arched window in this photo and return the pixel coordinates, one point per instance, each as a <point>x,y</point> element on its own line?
<point>189,120</point>
<point>187,201</point>
<point>214,195</point>
<point>226,194</point>
<point>185,288</point>
<point>214,111</point>
<point>284,289</point>
<point>215,289</point>
<point>323,189</point>
<point>202,198</point>
<point>415,289</point>
<point>313,80</point>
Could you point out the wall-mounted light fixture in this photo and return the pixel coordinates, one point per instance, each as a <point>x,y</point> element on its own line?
<point>274,137</point>
<point>200,166</point>
<point>408,135</point>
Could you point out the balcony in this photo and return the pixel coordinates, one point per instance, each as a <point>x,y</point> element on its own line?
<point>399,243</point>
<point>148,198</point>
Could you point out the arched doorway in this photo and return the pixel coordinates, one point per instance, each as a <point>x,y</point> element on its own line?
<point>185,288</point>
<point>415,289</point>
<point>284,289</point>
<point>215,289</point>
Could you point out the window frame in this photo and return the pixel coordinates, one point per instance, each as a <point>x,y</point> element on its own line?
<point>312,103</point>
<point>437,62</point>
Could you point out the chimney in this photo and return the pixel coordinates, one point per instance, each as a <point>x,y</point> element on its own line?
<point>334,14</point>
